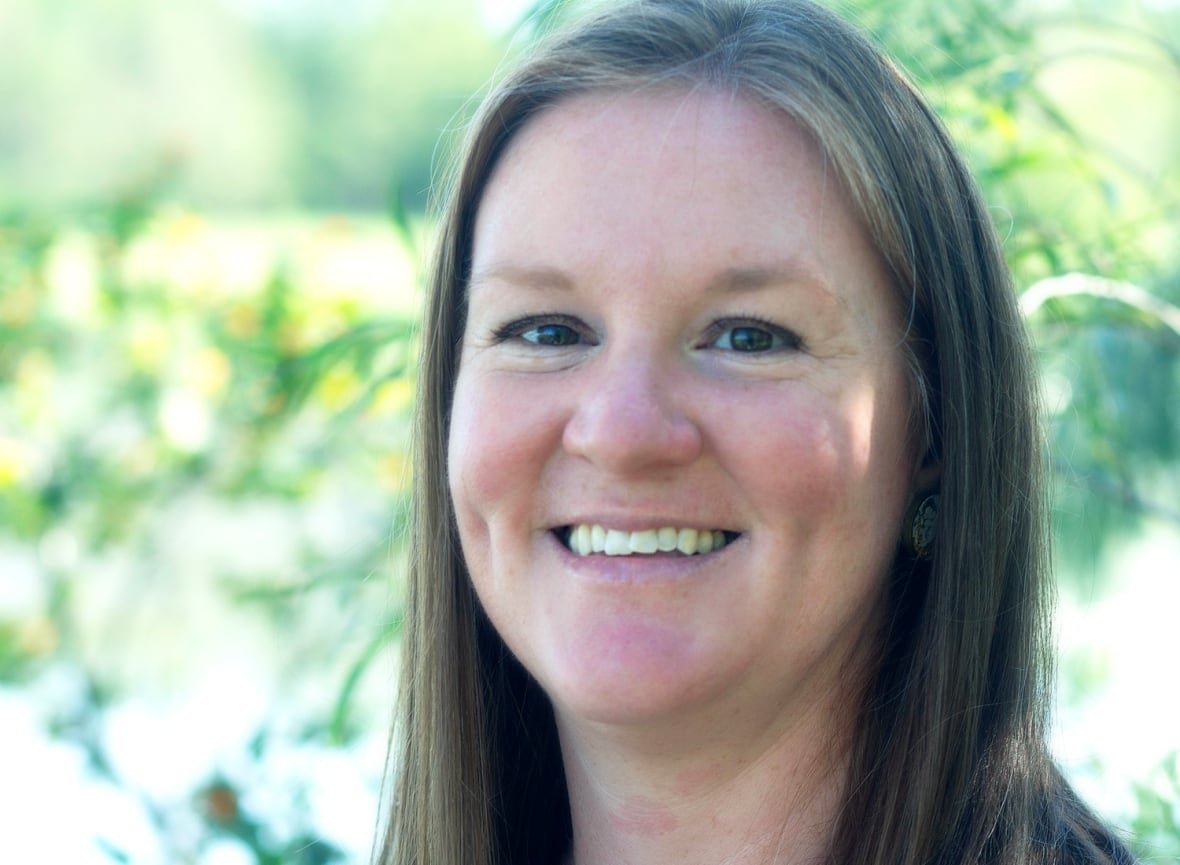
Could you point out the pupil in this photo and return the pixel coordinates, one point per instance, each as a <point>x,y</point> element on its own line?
<point>555,334</point>
<point>750,339</point>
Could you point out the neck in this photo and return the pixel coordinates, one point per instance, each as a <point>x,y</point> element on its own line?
<point>716,794</point>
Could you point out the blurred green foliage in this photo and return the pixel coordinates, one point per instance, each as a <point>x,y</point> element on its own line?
<point>1156,827</point>
<point>169,382</point>
<point>1069,113</point>
<point>203,419</point>
<point>233,104</point>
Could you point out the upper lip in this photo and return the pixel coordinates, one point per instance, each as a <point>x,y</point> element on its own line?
<point>635,523</point>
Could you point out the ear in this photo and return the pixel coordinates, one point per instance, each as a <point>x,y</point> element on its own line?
<point>927,474</point>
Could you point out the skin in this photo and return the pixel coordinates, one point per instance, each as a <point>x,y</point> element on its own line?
<point>626,247</point>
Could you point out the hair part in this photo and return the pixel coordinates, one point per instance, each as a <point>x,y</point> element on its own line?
<point>949,763</point>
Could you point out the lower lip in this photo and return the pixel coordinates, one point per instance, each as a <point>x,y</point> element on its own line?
<point>643,567</point>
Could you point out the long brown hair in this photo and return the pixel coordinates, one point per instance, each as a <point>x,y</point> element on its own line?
<point>950,763</point>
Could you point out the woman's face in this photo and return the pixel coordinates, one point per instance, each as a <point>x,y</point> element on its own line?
<point>678,335</point>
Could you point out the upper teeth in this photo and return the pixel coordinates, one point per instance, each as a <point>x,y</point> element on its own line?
<point>585,539</point>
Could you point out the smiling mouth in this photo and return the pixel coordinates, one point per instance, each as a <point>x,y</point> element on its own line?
<point>588,540</point>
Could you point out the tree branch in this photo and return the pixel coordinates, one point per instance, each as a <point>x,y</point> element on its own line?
<point>1126,293</point>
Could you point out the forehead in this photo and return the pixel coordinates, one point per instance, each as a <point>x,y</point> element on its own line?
<point>662,149</point>
<point>687,143</point>
<point>667,186</point>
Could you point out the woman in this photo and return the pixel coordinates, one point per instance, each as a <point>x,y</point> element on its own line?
<point>729,541</point>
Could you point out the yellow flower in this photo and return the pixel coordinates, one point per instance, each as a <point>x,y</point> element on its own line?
<point>209,372</point>
<point>394,471</point>
<point>241,320</point>
<point>148,344</point>
<point>1002,122</point>
<point>18,305</point>
<point>393,397</point>
<point>338,387</point>
<point>14,462</point>
<point>39,636</point>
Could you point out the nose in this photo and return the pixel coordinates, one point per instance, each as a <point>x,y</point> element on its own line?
<point>630,418</point>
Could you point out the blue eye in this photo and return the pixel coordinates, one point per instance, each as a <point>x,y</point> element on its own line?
<point>754,337</point>
<point>746,339</point>
<point>545,331</point>
<point>555,335</point>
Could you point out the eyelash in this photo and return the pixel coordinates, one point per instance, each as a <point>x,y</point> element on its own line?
<point>515,330</point>
<point>790,340</point>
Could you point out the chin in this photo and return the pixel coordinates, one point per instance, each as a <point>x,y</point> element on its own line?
<point>628,671</point>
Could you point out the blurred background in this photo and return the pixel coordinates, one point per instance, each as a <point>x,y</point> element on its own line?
<point>212,227</point>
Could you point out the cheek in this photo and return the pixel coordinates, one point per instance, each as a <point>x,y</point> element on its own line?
<point>501,438</point>
<point>838,464</point>
<point>496,452</point>
<point>798,454</point>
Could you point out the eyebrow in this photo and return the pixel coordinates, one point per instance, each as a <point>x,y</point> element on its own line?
<point>731,280</point>
<point>737,280</point>
<point>537,276</point>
